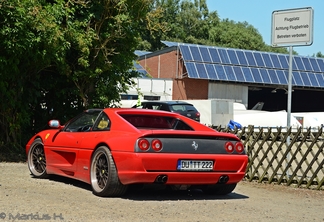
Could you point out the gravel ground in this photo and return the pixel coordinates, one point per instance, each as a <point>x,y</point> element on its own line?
<point>23,198</point>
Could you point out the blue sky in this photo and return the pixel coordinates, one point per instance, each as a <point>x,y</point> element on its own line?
<point>258,13</point>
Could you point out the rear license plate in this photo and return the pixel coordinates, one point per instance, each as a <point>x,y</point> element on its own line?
<point>195,165</point>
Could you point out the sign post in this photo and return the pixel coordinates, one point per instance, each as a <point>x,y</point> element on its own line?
<point>292,27</point>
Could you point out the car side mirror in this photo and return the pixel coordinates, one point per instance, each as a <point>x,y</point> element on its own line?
<point>55,124</point>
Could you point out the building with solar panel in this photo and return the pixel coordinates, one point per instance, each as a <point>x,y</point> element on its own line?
<point>200,72</point>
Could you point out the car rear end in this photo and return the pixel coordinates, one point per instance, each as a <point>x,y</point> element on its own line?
<point>189,159</point>
<point>174,150</point>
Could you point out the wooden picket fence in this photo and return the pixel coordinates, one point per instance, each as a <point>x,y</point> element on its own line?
<point>277,155</point>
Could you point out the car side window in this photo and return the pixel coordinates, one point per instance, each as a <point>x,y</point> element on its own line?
<point>156,107</point>
<point>164,107</point>
<point>144,106</point>
<point>102,123</point>
<point>179,125</point>
<point>151,106</point>
<point>82,123</point>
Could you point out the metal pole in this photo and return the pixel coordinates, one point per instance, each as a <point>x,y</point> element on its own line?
<point>289,103</point>
<point>289,87</point>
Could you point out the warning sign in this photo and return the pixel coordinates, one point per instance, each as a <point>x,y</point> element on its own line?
<point>292,27</point>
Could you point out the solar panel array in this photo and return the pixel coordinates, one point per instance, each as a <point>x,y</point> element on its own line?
<point>140,53</point>
<point>137,66</point>
<point>237,65</point>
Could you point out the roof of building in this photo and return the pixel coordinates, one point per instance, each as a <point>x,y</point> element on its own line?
<point>246,66</point>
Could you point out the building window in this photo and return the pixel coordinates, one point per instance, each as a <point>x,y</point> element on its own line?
<point>129,97</point>
<point>151,97</point>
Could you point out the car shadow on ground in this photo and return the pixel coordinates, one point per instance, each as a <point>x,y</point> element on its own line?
<point>152,193</point>
<point>70,181</point>
<point>176,195</point>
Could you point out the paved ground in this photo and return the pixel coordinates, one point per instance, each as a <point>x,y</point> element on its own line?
<point>23,198</point>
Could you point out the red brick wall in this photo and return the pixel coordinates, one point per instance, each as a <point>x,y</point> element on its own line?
<point>166,69</point>
<point>186,89</point>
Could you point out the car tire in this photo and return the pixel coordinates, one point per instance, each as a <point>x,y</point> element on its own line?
<point>103,174</point>
<point>36,159</point>
<point>219,189</point>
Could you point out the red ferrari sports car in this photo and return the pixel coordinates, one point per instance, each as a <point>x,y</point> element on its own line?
<point>115,147</point>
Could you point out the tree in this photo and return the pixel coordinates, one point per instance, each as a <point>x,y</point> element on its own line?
<point>61,56</point>
<point>319,55</point>
<point>23,55</point>
<point>102,37</point>
<point>236,35</point>
<point>156,27</point>
<point>191,22</point>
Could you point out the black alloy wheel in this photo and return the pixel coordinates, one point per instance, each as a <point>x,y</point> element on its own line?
<point>37,160</point>
<point>103,174</point>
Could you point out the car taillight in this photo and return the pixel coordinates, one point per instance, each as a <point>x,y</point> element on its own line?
<point>143,144</point>
<point>197,114</point>
<point>156,145</point>
<point>229,147</point>
<point>239,147</point>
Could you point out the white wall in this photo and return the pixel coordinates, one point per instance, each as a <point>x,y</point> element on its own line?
<point>227,91</point>
<point>214,111</point>
<point>153,87</point>
<point>149,87</point>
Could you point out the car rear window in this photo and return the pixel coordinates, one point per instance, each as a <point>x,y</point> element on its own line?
<point>178,108</point>
<point>156,122</point>
<point>182,108</point>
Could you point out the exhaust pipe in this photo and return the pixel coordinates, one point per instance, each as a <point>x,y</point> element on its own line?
<point>223,179</point>
<point>161,179</point>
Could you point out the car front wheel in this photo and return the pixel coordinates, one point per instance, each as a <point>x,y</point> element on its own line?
<point>37,160</point>
<point>103,174</point>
